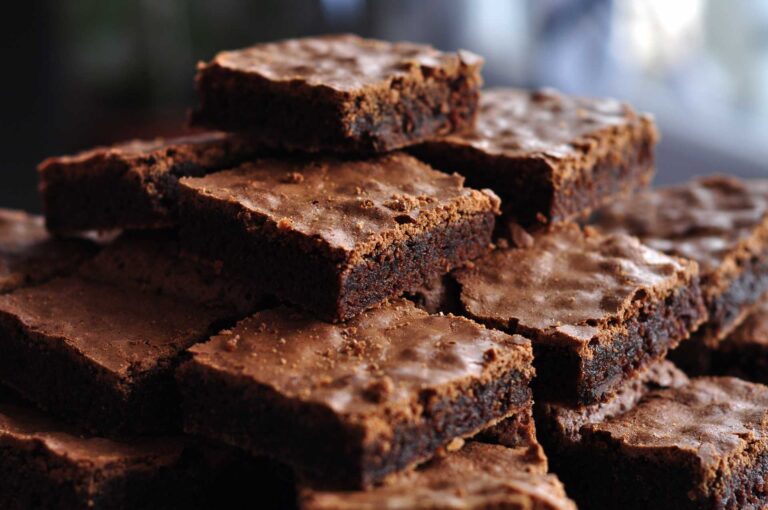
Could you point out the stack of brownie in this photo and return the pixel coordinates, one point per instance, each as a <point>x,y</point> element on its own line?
<point>350,294</point>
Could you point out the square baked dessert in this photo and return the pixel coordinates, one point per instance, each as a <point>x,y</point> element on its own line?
<point>349,404</point>
<point>598,309</point>
<point>721,223</point>
<point>549,156</point>
<point>99,349</point>
<point>479,476</point>
<point>703,445</point>
<point>47,464</point>
<point>339,93</point>
<point>28,254</point>
<point>131,184</point>
<point>336,236</point>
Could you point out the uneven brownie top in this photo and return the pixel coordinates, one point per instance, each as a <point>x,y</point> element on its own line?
<point>568,420</point>
<point>385,356</point>
<point>545,123</point>
<point>703,220</point>
<point>124,330</point>
<point>711,418</point>
<point>26,425</point>
<point>477,476</point>
<point>28,254</point>
<point>570,282</point>
<point>351,206</point>
<point>343,63</point>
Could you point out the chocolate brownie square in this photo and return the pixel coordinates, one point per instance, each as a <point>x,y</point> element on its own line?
<point>349,404</point>
<point>597,308</point>
<point>48,464</point>
<point>336,236</point>
<point>477,477</point>
<point>339,93</point>
<point>703,445</point>
<point>131,184</point>
<point>721,223</point>
<point>549,156</point>
<point>99,348</point>
<point>29,255</point>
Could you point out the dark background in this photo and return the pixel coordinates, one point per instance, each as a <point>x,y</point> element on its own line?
<point>86,72</point>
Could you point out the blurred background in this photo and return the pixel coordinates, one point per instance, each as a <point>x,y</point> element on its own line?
<point>91,72</point>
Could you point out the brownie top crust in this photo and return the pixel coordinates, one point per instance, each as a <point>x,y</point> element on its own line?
<point>567,420</point>
<point>546,123</point>
<point>352,207</point>
<point>342,63</point>
<point>124,330</point>
<point>711,418</point>
<point>754,329</point>
<point>146,151</point>
<point>570,282</point>
<point>384,357</point>
<point>28,254</point>
<point>704,220</point>
<point>477,476</point>
<point>23,424</point>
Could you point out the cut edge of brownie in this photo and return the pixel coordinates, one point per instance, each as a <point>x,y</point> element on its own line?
<point>306,274</point>
<point>531,190</point>
<point>335,454</point>
<point>406,111</point>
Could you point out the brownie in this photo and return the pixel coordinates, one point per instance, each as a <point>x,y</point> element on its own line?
<point>597,308</point>
<point>349,404</point>
<point>28,254</point>
<point>131,184</point>
<point>703,445</point>
<point>720,222</point>
<point>47,464</point>
<point>549,156</point>
<point>478,476</point>
<point>339,93</point>
<point>336,236</point>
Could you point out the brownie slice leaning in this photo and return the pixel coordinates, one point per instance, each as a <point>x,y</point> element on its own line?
<point>332,236</point>
<point>47,464</point>
<point>477,477</point>
<point>339,93</point>
<point>700,446</point>
<point>598,309</point>
<point>349,404</point>
<point>99,350</point>
<point>28,254</point>
<point>721,223</point>
<point>549,156</point>
<point>131,184</point>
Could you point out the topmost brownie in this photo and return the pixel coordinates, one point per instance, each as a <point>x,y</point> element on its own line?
<point>339,93</point>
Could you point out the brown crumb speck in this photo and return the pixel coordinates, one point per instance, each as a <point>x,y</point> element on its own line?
<point>455,445</point>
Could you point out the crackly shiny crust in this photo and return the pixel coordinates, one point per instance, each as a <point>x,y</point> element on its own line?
<point>721,422</point>
<point>373,365</point>
<point>343,63</point>
<point>560,424</point>
<point>571,285</point>
<point>29,255</point>
<point>479,476</point>
<point>352,208</point>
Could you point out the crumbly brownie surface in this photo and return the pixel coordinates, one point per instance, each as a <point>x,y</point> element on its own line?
<point>597,308</point>
<point>479,476</point>
<point>132,184</point>
<point>720,222</point>
<point>336,236</point>
<point>29,255</point>
<point>703,445</point>
<point>98,354</point>
<point>348,404</point>
<point>339,93</point>
<point>549,156</point>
